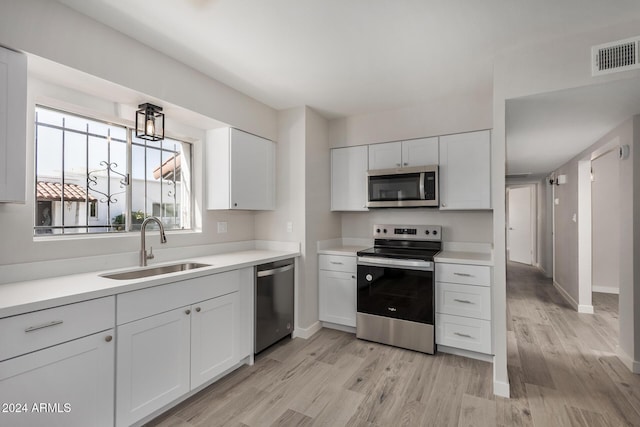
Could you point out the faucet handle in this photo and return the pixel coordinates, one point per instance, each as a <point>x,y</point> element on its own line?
<point>150,255</point>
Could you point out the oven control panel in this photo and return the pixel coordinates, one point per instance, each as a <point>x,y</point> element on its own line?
<point>408,232</point>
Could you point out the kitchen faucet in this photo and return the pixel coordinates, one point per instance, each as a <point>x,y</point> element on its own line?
<point>143,250</point>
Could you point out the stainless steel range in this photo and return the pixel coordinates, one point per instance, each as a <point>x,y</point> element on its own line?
<point>395,300</point>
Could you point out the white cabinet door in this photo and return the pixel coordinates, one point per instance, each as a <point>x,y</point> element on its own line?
<point>385,156</point>
<point>240,170</point>
<point>70,384</point>
<point>252,172</point>
<point>420,152</point>
<point>13,123</point>
<point>337,296</point>
<point>465,171</point>
<point>215,337</point>
<point>153,364</point>
<point>349,178</point>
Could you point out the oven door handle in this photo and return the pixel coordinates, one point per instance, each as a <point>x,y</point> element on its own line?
<point>408,264</point>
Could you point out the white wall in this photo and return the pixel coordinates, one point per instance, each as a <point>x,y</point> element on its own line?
<point>50,30</point>
<point>544,67</point>
<point>605,202</point>
<point>303,198</point>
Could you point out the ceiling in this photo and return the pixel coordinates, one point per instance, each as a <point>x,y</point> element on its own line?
<point>353,57</point>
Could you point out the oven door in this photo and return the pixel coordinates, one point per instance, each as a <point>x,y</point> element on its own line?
<point>400,289</point>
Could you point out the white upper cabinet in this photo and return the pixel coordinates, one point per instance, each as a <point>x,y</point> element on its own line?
<point>385,156</point>
<point>399,154</point>
<point>240,170</point>
<point>349,178</point>
<point>465,171</point>
<point>420,152</point>
<point>13,125</point>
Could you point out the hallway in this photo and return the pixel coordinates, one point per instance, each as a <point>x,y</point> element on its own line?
<point>562,365</point>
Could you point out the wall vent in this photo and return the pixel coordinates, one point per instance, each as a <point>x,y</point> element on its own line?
<point>621,55</point>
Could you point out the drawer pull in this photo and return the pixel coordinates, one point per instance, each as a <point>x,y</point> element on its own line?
<point>463,301</point>
<point>336,263</point>
<point>44,325</point>
<point>462,335</point>
<point>463,274</point>
<point>108,338</point>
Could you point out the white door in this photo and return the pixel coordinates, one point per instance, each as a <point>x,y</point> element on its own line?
<point>385,156</point>
<point>337,294</point>
<point>605,207</point>
<point>519,236</point>
<point>215,335</point>
<point>74,382</point>
<point>349,178</point>
<point>420,152</point>
<point>153,364</point>
<point>252,172</point>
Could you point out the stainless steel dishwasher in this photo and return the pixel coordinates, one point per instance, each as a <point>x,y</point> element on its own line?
<point>274,302</point>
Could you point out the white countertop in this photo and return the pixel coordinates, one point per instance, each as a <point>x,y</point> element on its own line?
<point>459,257</point>
<point>22,297</point>
<point>346,250</point>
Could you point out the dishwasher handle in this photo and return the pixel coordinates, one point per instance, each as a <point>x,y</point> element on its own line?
<point>274,271</point>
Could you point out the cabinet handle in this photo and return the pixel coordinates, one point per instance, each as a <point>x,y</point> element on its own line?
<point>198,309</point>
<point>462,335</point>
<point>444,205</point>
<point>398,164</point>
<point>464,301</point>
<point>335,262</point>
<point>405,164</point>
<point>108,338</point>
<point>463,274</point>
<point>353,277</point>
<point>235,204</point>
<point>44,325</point>
<point>187,312</point>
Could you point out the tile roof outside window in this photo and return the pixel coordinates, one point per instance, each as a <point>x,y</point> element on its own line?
<point>53,191</point>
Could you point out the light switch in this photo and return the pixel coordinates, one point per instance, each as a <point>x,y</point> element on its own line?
<point>574,218</point>
<point>222,227</point>
<point>289,227</point>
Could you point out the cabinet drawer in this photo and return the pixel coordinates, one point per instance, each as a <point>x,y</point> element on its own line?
<point>338,263</point>
<point>466,274</point>
<point>158,299</point>
<point>464,333</point>
<point>463,300</point>
<point>39,329</point>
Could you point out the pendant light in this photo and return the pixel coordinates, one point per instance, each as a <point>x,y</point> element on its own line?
<point>149,122</point>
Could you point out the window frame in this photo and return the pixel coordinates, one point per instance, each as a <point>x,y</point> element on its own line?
<point>129,226</point>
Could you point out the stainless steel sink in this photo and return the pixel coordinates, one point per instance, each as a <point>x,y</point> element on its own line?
<point>154,271</point>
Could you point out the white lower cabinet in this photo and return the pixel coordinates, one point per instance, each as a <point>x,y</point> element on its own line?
<point>463,307</point>
<point>153,364</point>
<point>337,290</point>
<point>162,357</point>
<point>215,337</point>
<point>69,379</point>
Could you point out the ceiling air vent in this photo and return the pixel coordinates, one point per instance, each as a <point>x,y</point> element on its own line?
<point>621,55</point>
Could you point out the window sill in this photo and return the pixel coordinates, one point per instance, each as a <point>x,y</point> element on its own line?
<point>124,235</point>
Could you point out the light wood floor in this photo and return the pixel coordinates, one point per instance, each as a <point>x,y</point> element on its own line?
<point>562,370</point>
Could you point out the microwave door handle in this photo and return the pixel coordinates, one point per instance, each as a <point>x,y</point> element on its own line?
<point>422,177</point>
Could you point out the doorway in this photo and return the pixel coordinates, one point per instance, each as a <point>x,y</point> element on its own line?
<point>521,224</point>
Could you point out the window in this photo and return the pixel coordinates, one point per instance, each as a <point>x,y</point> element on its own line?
<point>97,177</point>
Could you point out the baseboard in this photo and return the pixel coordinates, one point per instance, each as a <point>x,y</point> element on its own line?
<point>501,389</point>
<point>606,290</point>
<point>306,333</point>
<point>586,309</point>
<point>342,328</point>
<point>632,365</point>
<point>465,353</point>
<point>566,296</point>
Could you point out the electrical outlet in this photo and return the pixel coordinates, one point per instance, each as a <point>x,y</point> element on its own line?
<point>222,227</point>
<point>289,227</point>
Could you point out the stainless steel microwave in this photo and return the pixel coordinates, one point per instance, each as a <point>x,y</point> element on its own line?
<point>404,187</point>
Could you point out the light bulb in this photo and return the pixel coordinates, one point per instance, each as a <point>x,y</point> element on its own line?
<point>151,126</point>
